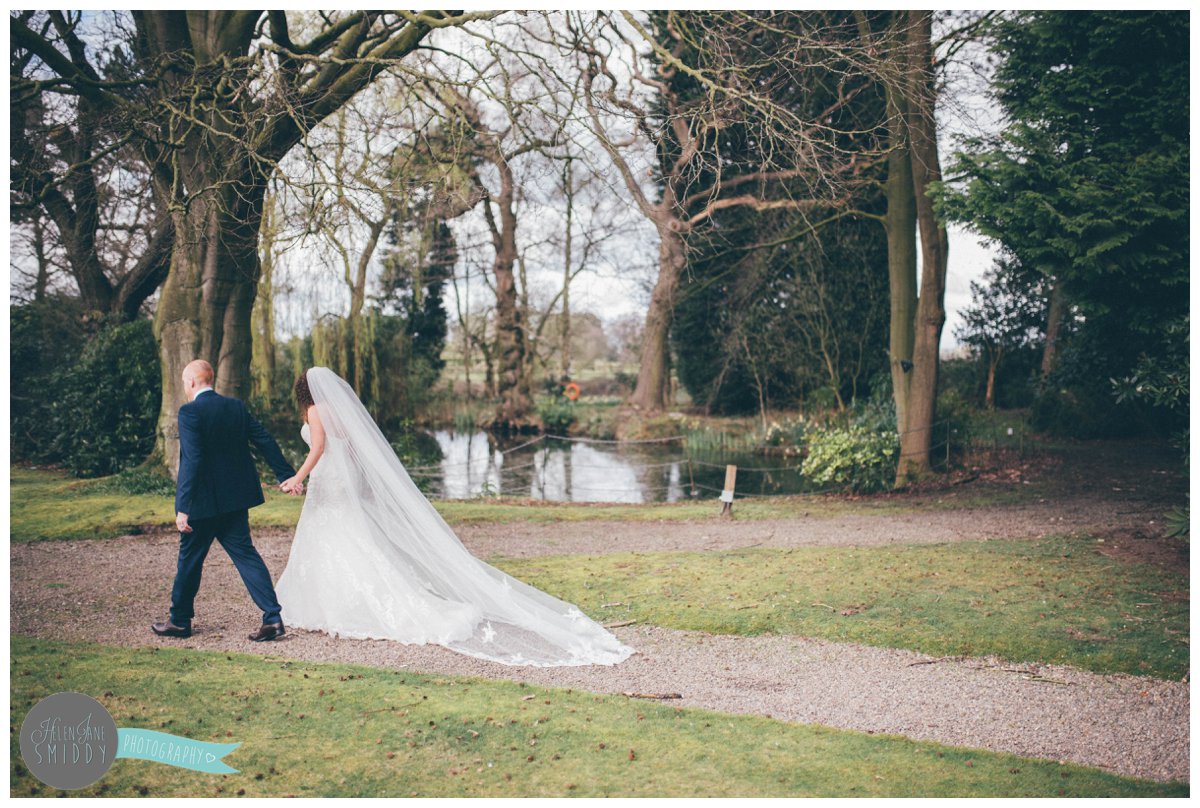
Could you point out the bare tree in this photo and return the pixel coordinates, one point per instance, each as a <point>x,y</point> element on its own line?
<point>74,164</point>
<point>222,97</point>
<point>505,120</point>
<point>38,265</point>
<point>804,163</point>
<point>906,40</point>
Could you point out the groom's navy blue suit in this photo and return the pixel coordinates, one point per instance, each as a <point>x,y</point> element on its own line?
<point>216,485</point>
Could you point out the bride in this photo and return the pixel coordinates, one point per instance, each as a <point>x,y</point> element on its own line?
<point>372,558</point>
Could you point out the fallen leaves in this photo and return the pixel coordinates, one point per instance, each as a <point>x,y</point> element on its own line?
<point>1075,634</point>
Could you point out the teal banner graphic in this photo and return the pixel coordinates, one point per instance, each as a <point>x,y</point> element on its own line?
<point>162,747</point>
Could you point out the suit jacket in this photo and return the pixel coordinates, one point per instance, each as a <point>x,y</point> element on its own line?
<point>216,470</point>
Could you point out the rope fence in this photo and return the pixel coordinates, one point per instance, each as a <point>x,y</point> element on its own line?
<point>574,439</point>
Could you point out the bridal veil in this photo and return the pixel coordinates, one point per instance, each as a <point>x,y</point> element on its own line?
<point>403,545</point>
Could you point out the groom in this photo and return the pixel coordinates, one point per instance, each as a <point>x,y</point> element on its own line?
<point>216,486</point>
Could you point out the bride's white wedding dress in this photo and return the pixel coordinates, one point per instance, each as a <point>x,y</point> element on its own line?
<point>372,558</point>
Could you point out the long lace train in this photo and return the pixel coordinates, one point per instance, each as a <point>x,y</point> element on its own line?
<point>372,558</point>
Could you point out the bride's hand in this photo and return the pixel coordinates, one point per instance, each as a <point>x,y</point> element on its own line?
<point>292,485</point>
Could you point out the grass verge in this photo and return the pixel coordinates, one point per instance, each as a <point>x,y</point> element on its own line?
<point>1055,600</point>
<point>310,729</point>
<point>49,505</point>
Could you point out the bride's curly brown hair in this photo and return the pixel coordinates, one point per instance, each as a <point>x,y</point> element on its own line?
<point>303,396</point>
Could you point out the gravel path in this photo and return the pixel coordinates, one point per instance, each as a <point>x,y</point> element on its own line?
<point>521,539</point>
<point>113,589</point>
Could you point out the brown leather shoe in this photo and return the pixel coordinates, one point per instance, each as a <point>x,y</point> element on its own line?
<point>267,631</point>
<point>169,629</point>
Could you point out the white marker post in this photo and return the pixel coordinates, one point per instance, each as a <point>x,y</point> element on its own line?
<point>727,494</point>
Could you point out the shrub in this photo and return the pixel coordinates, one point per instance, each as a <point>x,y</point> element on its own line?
<point>44,338</point>
<point>105,407</point>
<point>558,416</point>
<point>625,380</point>
<point>84,395</point>
<point>786,434</point>
<point>953,423</point>
<point>145,479</point>
<point>599,424</point>
<point>874,414</point>
<point>851,457</point>
<point>413,446</point>
<point>1083,412</point>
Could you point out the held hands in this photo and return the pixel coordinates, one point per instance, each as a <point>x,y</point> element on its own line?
<point>292,485</point>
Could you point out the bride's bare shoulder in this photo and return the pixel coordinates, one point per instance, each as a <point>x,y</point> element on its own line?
<point>312,417</point>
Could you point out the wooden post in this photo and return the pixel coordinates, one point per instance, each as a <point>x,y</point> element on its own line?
<point>727,494</point>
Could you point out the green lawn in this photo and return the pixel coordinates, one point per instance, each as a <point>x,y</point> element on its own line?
<point>1049,600</point>
<point>310,729</point>
<point>51,505</point>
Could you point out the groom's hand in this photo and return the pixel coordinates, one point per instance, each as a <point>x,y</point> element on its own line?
<point>182,523</point>
<point>292,485</point>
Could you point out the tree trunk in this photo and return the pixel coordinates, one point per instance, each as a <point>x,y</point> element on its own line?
<point>43,262</point>
<point>79,243</point>
<point>1054,320</point>
<point>989,398</point>
<point>463,325</point>
<point>527,348</point>
<point>78,218</point>
<point>565,323</point>
<point>902,273</point>
<point>205,307</point>
<point>360,333</point>
<point>916,440</point>
<point>514,406</point>
<point>466,349</point>
<point>512,411</point>
<point>144,278</point>
<point>262,363</point>
<point>489,366</point>
<point>652,383</point>
<point>900,222</point>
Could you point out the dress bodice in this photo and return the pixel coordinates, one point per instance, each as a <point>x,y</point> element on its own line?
<point>306,434</point>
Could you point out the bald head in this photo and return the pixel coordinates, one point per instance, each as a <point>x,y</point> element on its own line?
<point>199,370</point>
<point>197,374</point>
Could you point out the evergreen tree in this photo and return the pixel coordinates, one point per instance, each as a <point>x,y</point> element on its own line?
<point>1088,184</point>
<point>419,259</point>
<point>774,309</point>
<point>1007,313</point>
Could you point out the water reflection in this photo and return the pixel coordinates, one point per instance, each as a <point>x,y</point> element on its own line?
<point>475,464</point>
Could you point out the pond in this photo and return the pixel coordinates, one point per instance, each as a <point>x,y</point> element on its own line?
<point>583,470</point>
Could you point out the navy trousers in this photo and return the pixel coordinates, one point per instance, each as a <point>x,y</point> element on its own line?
<point>233,531</point>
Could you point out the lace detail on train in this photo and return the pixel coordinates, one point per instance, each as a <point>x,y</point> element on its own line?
<point>372,558</point>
